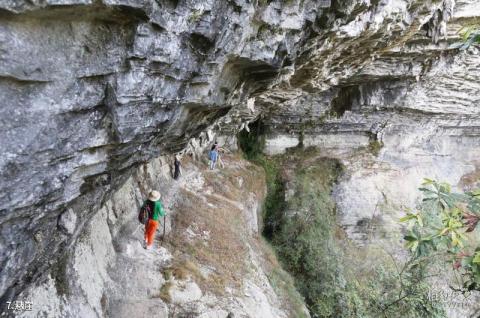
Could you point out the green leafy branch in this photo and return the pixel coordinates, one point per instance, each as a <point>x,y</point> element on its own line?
<point>470,36</point>
<point>441,225</point>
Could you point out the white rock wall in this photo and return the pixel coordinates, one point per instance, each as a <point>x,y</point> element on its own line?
<point>108,273</point>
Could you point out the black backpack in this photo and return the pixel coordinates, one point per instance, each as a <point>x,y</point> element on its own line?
<point>145,213</point>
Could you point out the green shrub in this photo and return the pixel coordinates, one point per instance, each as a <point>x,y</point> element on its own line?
<point>470,36</point>
<point>303,231</point>
<point>251,143</point>
<point>375,146</point>
<point>325,270</point>
<point>442,227</point>
<point>195,16</point>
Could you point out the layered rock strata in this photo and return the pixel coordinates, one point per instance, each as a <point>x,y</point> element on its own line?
<point>92,89</point>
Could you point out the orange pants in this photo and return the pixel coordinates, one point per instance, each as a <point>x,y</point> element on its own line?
<point>150,229</point>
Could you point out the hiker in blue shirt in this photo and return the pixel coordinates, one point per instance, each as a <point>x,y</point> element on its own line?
<point>213,156</point>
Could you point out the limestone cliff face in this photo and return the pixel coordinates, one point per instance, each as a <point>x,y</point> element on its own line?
<point>91,89</point>
<point>409,111</point>
<point>211,265</point>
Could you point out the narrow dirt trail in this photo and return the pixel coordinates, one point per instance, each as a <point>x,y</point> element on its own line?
<point>229,253</point>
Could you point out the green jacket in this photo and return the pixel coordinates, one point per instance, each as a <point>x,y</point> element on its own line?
<point>158,210</point>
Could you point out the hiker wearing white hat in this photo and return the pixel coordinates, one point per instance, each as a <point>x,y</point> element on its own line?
<point>154,196</point>
<point>154,209</point>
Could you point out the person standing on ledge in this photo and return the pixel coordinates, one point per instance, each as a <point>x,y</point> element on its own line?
<point>177,169</point>
<point>220,150</point>
<point>157,211</point>
<point>213,156</point>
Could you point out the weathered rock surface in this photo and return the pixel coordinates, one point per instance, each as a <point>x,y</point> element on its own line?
<point>107,273</point>
<point>408,113</point>
<point>92,89</point>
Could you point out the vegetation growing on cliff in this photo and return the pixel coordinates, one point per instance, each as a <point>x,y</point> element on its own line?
<point>336,278</point>
<point>328,271</point>
<point>252,145</point>
<point>470,36</point>
<point>445,226</point>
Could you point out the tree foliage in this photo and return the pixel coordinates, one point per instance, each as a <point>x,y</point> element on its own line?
<point>330,274</point>
<point>470,36</point>
<point>445,225</point>
<point>326,268</point>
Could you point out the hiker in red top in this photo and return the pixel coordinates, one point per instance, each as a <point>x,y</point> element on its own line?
<point>156,211</point>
